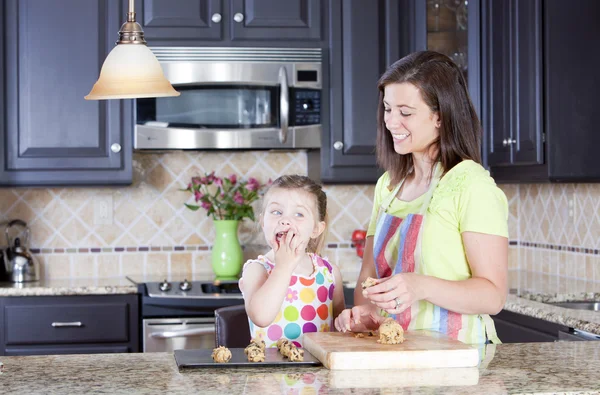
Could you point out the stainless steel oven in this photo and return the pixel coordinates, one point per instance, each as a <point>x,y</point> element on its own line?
<point>180,314</point>
<point>234,98</point>
<point>169,334</point>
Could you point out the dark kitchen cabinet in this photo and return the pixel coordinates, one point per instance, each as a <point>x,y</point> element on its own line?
<point>51,53</point>
<point>365,36</point>
<point>226,22</point>
<point>39,325</point>
<point>538,90</point>
<point>517,328</point>
<point>180,21</point>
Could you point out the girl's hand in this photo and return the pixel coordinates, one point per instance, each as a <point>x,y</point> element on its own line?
<point>290,249</point>
<point>396,293</point>
<point>360,318</point>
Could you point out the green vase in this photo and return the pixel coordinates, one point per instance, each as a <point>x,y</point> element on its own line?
<point>226,252</point>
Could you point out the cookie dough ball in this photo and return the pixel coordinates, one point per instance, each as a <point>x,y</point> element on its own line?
<point>369,282</point>
<point>390,332</point>
<point>296,355</point>
<point>282,342</point>
<point>259,343</point>
<point>255,354</point>
<point>221,354</point>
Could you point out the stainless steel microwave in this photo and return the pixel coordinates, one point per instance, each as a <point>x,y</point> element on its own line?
<point>234,98</point>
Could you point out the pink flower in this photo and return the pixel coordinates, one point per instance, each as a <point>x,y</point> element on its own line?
<point>238,198</point>
<point>211,177</point>
<point>198,195</point>
<point>203,180</point>
<point>291,295</point>
<point>196,181</point>
<point>233,179</point>
<point>218,181</point>
<point>253,184</point>
<point>189,188</point>
<point>206,205</point>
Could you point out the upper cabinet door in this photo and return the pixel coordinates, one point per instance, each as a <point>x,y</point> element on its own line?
<point>512,81</point>
<point>52,135</point>
<point>275,20</point>
<point>173,22</point>
<point>571,65</point>
<point>364,40</point>
<point>495,72</point>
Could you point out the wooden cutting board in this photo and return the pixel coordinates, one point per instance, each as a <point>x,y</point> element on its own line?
<point>421,349</point>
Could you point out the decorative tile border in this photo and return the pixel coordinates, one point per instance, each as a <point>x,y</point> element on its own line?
<point>557,247</point>
<point>347,245</point>
<point>110,250</point>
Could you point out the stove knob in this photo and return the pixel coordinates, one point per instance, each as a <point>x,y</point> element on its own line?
<point>185,285</point>
<point>164,286</point>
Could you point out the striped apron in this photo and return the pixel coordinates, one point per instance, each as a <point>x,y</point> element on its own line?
<point>397,249</point>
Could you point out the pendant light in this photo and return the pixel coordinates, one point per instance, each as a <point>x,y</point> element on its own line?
<point>131,70</point>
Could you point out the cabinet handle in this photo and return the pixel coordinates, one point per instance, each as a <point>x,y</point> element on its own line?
<point>338,145</point>
<point>67,324</point>
<point>216,18</point>
<point>116,147</point>
<point>507,142</point>
<point>238,17</point>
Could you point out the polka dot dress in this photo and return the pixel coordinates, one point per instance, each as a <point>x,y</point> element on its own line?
<point>307,306</point>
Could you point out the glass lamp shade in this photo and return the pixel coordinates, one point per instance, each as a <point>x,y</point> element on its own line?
<point>131,71</point>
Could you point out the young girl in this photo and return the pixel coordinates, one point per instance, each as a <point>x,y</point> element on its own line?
<point>292,290</point>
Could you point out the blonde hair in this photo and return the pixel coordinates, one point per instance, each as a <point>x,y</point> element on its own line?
<point>296,181</point>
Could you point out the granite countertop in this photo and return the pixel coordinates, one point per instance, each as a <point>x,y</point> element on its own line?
<point>569,367</point>
<point>530,293</point>
<point>82,286</point>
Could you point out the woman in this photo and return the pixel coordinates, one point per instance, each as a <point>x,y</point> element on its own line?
<point>438,239</point>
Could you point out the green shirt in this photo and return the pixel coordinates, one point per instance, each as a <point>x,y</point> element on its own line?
<point>465,200</point>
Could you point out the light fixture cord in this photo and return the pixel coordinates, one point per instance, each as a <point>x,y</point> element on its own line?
<point>131,13</point>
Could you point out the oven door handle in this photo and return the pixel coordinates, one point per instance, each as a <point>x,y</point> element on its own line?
<point>183,333</point>
<point>284,106</point>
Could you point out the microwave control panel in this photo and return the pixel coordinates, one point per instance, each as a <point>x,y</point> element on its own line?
<point>306,107</point>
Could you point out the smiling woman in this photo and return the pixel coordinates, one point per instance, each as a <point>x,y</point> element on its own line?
<point>438,240</point>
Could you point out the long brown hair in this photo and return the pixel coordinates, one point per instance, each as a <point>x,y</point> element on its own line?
<point>296,181</point>
<point>444,89</point>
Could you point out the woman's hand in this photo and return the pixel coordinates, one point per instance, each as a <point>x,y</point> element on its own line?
<point>396,293</point>
<point>360,318</point>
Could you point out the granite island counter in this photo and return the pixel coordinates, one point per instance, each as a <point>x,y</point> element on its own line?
<point>570,367</point>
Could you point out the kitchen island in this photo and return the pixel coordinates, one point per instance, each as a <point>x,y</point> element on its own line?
<point>569,367</point>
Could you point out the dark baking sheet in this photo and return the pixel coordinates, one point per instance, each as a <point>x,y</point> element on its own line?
<point>202,359</point>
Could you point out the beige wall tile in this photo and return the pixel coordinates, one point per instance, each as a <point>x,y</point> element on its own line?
<point>108,265</point>
<point>57,266</point>
<point>181,262</point>
<point>157,264</point>
<point>133,264</point>
<point>202,263</point>
<point>84,266</point>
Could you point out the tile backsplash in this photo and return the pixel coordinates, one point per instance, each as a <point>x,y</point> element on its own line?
<point>554,228</point>
<point>152,232</point>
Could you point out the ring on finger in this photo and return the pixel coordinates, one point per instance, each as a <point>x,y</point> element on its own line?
<point>398,302</point>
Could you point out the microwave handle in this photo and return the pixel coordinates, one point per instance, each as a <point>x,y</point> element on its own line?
<point>284,106</point>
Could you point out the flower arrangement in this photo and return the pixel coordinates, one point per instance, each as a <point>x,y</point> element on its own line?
<point>224,198</point>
